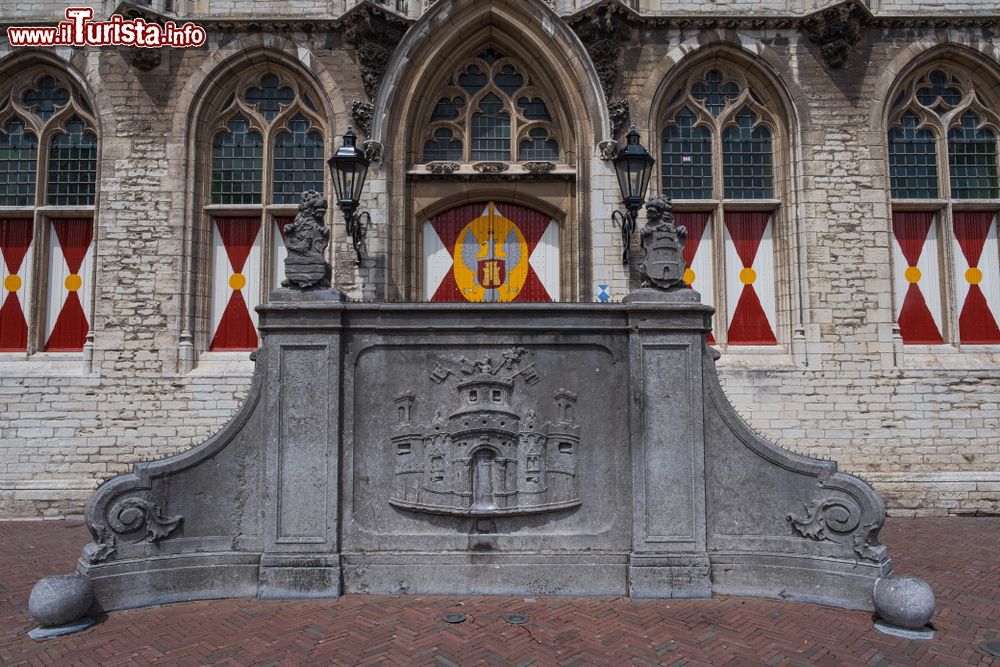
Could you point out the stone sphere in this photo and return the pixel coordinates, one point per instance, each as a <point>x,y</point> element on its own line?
<point>60,600</point>
<point>906,602</point>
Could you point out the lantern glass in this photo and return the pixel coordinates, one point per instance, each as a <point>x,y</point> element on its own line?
<point>349,168</point>
<point>633,166</point>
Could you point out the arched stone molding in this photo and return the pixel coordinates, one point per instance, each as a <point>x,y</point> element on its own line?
<point>979,57</point>
<point>197,107</point>
<point>784,99</point>
<point>531,31</point>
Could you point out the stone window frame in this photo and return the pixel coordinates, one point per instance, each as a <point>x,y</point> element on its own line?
<point>978,96</point>
<point>763,97</point>
<point>229,102</point>
<point>78,106</point>
<point>461,127</point>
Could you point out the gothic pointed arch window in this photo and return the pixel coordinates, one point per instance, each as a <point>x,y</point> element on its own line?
<point>48,191</point>
<point>491,108</point>
<point>492,113</point>
<point>721,147</point>
<point>942,140</point>
<point>267,147</point>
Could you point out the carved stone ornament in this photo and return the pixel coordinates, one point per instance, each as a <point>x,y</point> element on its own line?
<point>372,150</point>
<point>375,34</point>
<point>142,59</point>
<point>836,30</point>
<point>363,114</point>
<point>442,167</point>
<point>306,240</point>
<point>663,265</point>
<point>609,149</point>
<point>838,519</point>
<point>491,167</point>
<point>129,515</point>
<point>619,113</point>
<point>538,167</point>
<point>484,458</point>
<point>604,29</point>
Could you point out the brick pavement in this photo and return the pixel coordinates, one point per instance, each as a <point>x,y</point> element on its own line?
<point>959,556</point>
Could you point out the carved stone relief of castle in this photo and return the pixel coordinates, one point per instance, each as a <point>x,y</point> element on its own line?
<point>483,458</point>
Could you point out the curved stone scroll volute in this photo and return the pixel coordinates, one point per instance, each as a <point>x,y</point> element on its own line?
<point>822,523</point>
<point>160,509</point>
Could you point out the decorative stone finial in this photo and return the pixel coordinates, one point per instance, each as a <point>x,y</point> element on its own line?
<point>306,240</point>
<point>663,266</point>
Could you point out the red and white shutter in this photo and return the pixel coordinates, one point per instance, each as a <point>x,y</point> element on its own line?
<point>280,250</point>
<point>540,246</point>
<point>917,277</point>
<point>698,247</point>
<point>235,282</point>
<point>69,290</point>
<point>977,277</point>
<point>15,283</point>
<point>750,293</point>
<point>541,234</point>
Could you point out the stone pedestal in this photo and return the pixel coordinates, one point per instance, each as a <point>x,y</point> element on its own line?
<point>445,448</point>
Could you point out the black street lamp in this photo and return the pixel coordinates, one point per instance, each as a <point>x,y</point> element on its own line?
<point>633,165</point>
<point>349,168</point>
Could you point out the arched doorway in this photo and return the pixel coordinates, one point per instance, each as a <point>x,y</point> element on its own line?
<point>491,252</point>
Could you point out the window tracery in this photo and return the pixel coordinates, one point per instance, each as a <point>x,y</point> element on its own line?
<point>945,188</point>
<point>48,176</point>
<point>717,160</point>
<point>491,109</point>
<point>267,148</point>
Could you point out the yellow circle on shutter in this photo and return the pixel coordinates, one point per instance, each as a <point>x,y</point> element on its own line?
<point>12,283</point>
<point>748,276</point>
<point>689,276</point>
<point>912,274</point>
<point>974,276</point>
<point>73,282</point>
<point>237,281</point>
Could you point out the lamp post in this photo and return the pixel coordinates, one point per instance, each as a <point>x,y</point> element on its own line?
<point>633,165</point>
<point>349,168</point>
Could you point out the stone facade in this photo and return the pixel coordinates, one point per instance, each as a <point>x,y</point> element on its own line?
<point>920,423</point>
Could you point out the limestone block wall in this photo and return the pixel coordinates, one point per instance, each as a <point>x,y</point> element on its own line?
<point>922,426</point>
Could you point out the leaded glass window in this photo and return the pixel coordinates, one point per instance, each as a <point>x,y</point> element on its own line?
<point>491,130</point>
<point>747,169</point>
<point>538,147</point>
<point>237,162</point>
<point>46,97</point>
<point>912,160</point>
<point>60,171</point>
<point>270,97</point>
<point>686,158</point>
<point>298,162</point>
<point>490,109</point>
<point>268,146</point>
<point>718,149</point>
<point>972,160</point>
<point>18,165</point>
<point>443,147</point>
<point>942,141</point>
<point>72,172</point>
<point>714,92</point>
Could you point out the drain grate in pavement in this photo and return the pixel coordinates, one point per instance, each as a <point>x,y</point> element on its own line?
<point>991,646</point>
<point>453,618</point>
<point>516,619</point>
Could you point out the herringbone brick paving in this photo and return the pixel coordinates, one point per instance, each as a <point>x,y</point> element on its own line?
<point>960,557</point>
